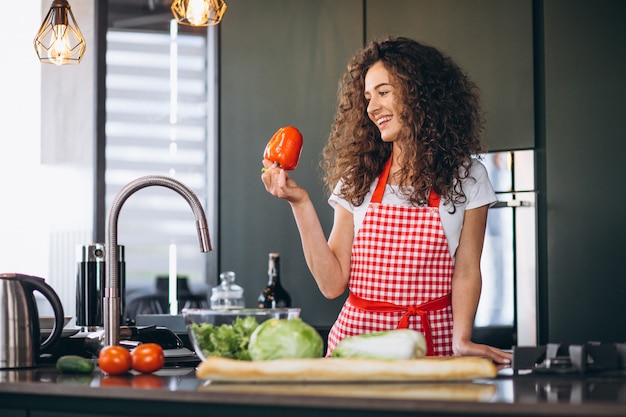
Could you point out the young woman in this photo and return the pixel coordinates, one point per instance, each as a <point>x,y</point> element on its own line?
<point>410,200</point>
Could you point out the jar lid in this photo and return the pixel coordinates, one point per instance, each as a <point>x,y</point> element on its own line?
<point>227,287</point>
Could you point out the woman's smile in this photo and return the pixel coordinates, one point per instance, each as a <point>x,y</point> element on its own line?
<point>381,121</point>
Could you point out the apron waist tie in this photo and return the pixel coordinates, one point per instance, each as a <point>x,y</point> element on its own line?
<point>420,310</point>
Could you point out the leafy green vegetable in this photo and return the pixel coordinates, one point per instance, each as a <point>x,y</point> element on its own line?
<point>285,338</point>
<point>228,341</point>
<point>390,344</point>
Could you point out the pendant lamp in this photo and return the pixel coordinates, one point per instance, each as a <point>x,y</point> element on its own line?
<point>198,12</point>
<point>59,40</point>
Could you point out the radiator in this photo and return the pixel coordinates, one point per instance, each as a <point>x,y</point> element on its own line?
<point>64,253</point>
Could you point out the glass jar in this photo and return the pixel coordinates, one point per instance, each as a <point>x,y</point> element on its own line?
<point>227,295</point>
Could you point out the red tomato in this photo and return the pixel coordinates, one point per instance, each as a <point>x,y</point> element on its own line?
<point>284,147</point>
<point>114,360</point>
<point>148,358</point>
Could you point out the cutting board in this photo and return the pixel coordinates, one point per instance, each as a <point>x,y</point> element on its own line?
<point>347,369</point>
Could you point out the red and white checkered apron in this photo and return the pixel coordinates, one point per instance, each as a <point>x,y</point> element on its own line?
<point>401,274</point>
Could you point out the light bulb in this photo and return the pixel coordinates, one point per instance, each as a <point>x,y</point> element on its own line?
<point>59,40</point>
<point>197,12</point>
<point>59,52</point>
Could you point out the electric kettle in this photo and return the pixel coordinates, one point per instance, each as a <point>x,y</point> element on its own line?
<point>20,337</point>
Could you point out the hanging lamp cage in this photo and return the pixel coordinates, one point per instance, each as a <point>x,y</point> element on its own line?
<point>59,40</point>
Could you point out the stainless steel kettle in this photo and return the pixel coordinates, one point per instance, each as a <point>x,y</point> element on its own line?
<point>20,336</point>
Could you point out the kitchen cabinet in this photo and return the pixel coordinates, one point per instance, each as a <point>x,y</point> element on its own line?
<point>492,40</point>
<point>583,239</point>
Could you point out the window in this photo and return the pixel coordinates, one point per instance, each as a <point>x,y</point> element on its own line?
<point>159,121</point>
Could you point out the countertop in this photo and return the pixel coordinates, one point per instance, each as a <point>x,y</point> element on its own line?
<point>43,391</point>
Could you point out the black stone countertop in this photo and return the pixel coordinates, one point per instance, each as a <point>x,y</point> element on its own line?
<point>176,391</point>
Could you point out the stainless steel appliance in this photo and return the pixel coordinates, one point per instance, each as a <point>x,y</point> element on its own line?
<point>592,358</point>
<point>20,336</point>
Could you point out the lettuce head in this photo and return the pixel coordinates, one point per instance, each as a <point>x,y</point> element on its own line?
<point>285,338</point>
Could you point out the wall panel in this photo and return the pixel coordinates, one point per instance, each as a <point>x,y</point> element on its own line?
<point>280,64</point>
<point>585,149</point>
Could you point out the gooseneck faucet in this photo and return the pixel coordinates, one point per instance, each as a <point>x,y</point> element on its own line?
<point>111,294</point>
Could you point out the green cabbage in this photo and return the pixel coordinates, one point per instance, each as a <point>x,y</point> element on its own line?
<point>285,338</point>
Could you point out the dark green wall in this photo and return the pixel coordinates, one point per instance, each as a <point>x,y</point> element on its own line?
<point>280,64</point>
<point>552,78</point>
<point>490,39</point>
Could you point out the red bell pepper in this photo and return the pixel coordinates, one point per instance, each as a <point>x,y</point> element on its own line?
<point>284,147</point>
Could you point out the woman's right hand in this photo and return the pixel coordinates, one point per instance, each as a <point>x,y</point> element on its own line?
<point>278,183</point>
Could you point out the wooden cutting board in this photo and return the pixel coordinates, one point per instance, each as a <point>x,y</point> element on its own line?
<point>347,370</point>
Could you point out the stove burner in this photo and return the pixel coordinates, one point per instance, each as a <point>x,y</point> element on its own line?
<point>556,358</point>
<point>560,362</point>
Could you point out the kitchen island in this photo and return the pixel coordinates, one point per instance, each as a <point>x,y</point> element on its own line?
<point>44,392</point>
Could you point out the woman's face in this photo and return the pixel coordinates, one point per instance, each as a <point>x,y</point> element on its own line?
<point>381,107</point>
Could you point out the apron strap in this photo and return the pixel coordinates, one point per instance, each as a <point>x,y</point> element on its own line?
<point>377,197</point>
<point>420,310</point>
<point>379,191</point>
<point>433,199</point>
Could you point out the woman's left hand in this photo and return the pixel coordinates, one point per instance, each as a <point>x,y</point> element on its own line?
<point>473,349</point>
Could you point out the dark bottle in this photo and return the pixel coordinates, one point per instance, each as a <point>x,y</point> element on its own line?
<point>274,295</point>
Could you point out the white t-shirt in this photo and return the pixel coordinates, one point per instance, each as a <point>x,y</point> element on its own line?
<point>477,189</point>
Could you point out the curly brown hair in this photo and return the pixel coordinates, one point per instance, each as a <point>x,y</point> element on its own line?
<point>439,105</point>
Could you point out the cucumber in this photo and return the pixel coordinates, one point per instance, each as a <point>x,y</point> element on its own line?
<point>74,364</point>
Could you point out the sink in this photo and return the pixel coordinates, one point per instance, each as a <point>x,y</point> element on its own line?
<point>175,323</point>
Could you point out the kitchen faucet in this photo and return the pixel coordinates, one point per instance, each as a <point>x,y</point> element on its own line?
<point>111,292</point>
